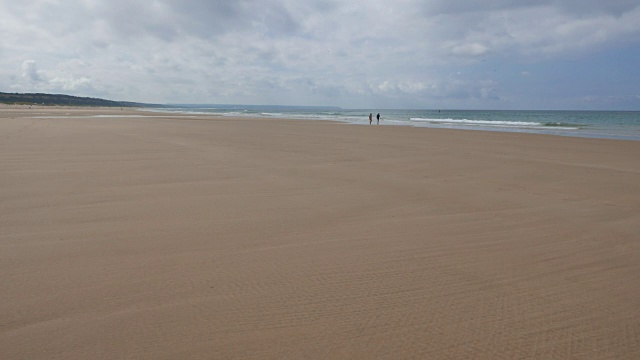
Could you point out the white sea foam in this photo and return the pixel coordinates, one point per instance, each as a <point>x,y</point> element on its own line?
<point>479,122</point>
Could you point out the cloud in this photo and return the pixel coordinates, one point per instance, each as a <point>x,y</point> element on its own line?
<point>71,84</point>
<point>612,99</point>
<point>470,49</point>
<point>573,7</point>
<point>535,28</point>
<point>60,80</point>
<point>30,73</point>
<point>349,53</point>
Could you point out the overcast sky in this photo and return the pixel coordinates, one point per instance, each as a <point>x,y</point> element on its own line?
<point>425,54</point>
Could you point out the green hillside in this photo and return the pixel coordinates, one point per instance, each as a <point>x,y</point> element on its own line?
<point>59,99</point>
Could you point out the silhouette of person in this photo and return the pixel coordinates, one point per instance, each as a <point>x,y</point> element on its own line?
<point>370,118</point>
<point>378,119</point>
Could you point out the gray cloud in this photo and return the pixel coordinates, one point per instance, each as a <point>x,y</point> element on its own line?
<point>575,7</point>
<point>30,71</point>
<point>349,53</point>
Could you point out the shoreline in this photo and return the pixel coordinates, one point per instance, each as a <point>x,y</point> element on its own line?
<point>609,133</point>
<point>511,121</point>
<point>156,237</point>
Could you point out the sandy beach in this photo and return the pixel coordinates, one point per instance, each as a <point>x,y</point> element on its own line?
<point>139,235</point>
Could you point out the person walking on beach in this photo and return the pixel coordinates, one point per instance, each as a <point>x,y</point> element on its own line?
<point>378,119</point>
<point>370,118</point>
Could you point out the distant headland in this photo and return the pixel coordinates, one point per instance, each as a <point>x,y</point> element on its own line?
<point>62,100</point>
<point>68,100</point>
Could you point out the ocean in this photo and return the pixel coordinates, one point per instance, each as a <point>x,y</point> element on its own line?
<point>621,125</point>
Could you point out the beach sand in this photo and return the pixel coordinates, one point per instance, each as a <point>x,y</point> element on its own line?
<point>178,237</point>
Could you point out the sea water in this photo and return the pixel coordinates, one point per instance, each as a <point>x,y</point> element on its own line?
<point>623,125</point>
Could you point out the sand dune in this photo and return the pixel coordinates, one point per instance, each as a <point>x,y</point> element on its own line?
<point>179,237</point>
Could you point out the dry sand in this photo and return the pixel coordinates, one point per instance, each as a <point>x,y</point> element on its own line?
<point>205,237</point>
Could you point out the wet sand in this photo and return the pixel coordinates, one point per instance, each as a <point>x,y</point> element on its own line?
<point>173,237</point>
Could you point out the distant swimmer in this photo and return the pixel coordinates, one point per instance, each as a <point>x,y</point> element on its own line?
<point>378,119</point>
<point>370,118</point>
